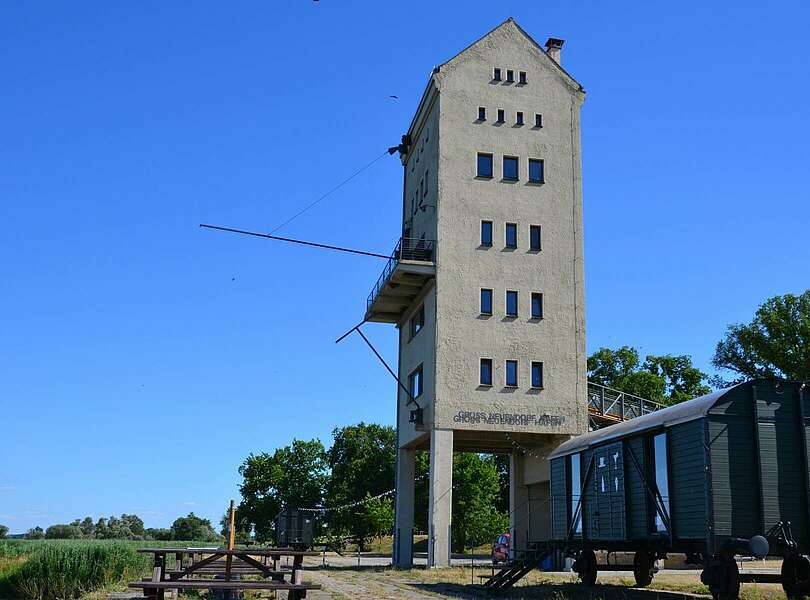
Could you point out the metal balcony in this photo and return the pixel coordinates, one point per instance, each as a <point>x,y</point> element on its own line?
<point>410,267</point>
<point>607,406</point>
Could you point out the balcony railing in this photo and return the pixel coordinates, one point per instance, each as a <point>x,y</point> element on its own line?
<point>611,405</point>
<point>417,249</point>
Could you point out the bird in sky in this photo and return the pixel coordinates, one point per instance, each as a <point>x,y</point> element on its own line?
<point>394,97</point>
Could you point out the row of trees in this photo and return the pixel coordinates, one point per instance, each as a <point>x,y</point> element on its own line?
<point>360,465</point>
<point>127,527</point>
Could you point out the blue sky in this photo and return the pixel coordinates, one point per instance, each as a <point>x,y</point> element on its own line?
<point>142,359</point>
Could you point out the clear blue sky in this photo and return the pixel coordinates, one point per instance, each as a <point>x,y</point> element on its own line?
<point>136,373</point>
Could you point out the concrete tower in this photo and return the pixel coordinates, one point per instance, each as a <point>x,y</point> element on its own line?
<point>486,284</point>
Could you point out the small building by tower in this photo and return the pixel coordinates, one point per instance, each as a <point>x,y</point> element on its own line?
<point>486,285</point>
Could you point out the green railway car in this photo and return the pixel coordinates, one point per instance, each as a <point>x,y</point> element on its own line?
<point>721,475</point>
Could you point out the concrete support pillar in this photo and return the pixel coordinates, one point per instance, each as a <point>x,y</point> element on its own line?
<point>518,503</point>
<point>403,530</point>
<point>440,504</point>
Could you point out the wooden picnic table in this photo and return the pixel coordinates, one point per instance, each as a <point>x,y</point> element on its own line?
<point>192,562</point>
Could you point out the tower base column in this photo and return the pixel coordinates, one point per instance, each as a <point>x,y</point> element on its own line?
<point>440,503</point>
<point>403,529</point>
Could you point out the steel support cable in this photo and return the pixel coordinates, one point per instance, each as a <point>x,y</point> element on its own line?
<point>334,189</point>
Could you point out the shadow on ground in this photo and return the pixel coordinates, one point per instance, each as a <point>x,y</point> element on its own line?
<point>557,591</point>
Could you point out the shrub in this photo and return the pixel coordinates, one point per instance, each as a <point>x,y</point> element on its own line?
<point>70,569</point>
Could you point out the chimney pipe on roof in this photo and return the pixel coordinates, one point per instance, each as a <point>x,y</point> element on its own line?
<point>553,46</point>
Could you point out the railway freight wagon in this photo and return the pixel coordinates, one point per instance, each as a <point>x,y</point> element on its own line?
<point>721,475</point>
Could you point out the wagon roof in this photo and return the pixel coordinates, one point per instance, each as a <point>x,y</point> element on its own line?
<point>666,417</point>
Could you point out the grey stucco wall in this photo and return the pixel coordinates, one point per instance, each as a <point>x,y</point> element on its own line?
<point>463,336</point>
<point>455,339</point>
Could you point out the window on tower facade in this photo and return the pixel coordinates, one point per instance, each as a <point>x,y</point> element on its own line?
<point>537,305</point>
<point>511,235</point>
<point>496,74</point>
<point>501,116</point>
<point>535,238</point>
<point>519,118</point>
<point>511,303</point>
<point>537,375</point>
<point>522,77</point>
<point>538,120</point>
<point>484,165</point>
<point>511,373</point>
<point>415,382</point>
<point>482,113</point>
<point>486,233</point>
<point>510,168</point>
<point>510,76</point>
<point>536,170</point>
<point>485,376</point>
<point>486,301</point>
<point>418,321</point>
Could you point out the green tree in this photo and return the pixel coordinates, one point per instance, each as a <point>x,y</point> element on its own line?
<point>3,531</point>
<point>88,527</point>
<point>35,533</point>
<point>63,532</point>
<point>292,476</point>
<point>776,343</point>
<point>476,491</point>
<point>158,533</point>
<point>378,514</point>
<point>194,528</point>
<point>362,463</point>
<point>667,379</point>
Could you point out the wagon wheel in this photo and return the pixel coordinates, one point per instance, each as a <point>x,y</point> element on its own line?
<point>643,568</point>
<point>796,576</point>
<point>722,577</point>
<point>585,566</point>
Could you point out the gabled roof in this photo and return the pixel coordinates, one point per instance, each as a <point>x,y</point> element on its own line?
<point>679,413</point>
<point>506,23</point>
<point>510,21</point>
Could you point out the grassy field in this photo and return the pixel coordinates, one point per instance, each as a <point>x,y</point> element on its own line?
<point>63,569</point>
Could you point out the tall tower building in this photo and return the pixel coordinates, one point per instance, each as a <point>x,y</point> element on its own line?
<point>486,285</point>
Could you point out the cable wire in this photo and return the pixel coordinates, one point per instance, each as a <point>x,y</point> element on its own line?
<point>334,189</point>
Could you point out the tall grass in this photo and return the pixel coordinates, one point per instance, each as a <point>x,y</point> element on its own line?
<point>61,571</point>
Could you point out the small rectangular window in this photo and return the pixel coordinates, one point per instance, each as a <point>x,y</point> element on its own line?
<point>523,77</point>
<point>486,371</point>
<point>486,301</point>
<point>501,116</point>
<point>510,168</point>
<point>418,321</point>
<point>538,120</point>
<point>425,191</point>
<point>510,75</point>
<point>486,233</point>
<point>496,74</point>
<point>661,477</point>
<point>511,303</point>
<point>537,375</point>
<point>484,165</point>
<point>536,170</point>
<point>535,239</point>
<point>537,305</point>
<point>519,118</point>
<point>482,113</point>
<point>415,382</point>
<point>511,373</point>
<point>511,235</point>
